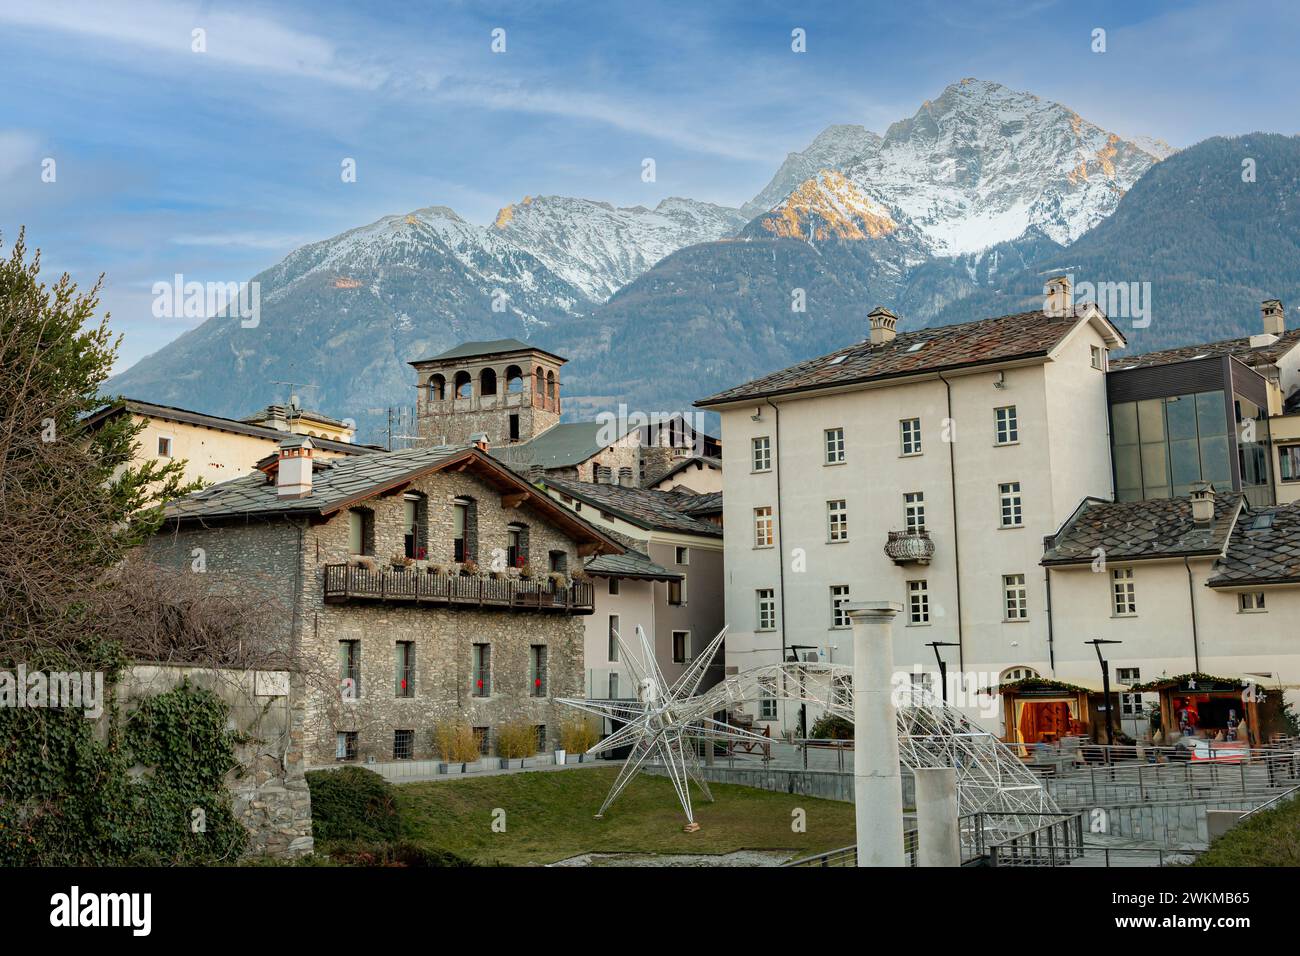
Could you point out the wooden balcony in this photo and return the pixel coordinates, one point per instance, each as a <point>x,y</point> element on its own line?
<point>345,583</point>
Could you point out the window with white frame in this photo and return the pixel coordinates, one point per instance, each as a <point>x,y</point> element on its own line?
<point>1007,425</point>
<point>914,512</point>
<point>837,520</point>
<point>839,605</point>
<point>763,527</point>
<point>1098,358</point>
<point>682,555</point>
<point>1130,705</point>
<point>918,602</point>
<point>164,446</point>
<point>834,446</point>
<point>766,609</point>
<point>1012,513</point>
<point>1015,597</point>
<point>762,457</point>
<point>1250,601</point>
<point>1123,592</point>
<point>910,433</point>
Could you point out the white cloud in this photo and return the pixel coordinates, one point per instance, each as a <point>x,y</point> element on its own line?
<point>238,40</point>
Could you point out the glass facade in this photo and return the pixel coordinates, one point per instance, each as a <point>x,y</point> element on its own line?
<point>1162,445</point>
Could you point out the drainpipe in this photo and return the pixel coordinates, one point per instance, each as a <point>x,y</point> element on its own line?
<point>780,518</point>
<point>956,546</point>
<point>1191,603</point>
<point>1051,647</point>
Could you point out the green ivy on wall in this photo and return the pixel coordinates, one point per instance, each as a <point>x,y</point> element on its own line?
<point>144,788</point>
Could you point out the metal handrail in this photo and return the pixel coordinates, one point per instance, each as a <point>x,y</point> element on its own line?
<point>1280,798</point>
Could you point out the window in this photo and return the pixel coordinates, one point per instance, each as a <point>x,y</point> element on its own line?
<point>910,429</point>
<point>1250,601</point>
<point>613,638</point>
<point>346,746</point>
<point>839,598</point>
<point>164,447</point>
<point>683,555</point>
<point>1123,591</point>
<point>762,454</point>
<point>559,561</point>
<point>361,531</point>
<point>837,520</point>
<point>404,669</point>
<point>914,512</point>
<point>763,527</point>
<point>1012,512</point>
<point>1163,445</point>
<point>613,585</point>
<point>1129,675</point>
<point>403,744</point>
<point>766,700</point>
<point>1015,597</point>
<point>415,523</point>
<point>677,592</point>
<point>516,545</point>
<point>1006,425</point>
<point>1288,459</point>
<point>350,669</point>
<point>613,686</point>
<point>1130,705</point>
<point>766,609</point>
<point>482,670</point>
<point>1098,357</point>
<point>483,737</point>
<point>918,602</point>
<point>514,427</point>
<point>681,646</point>
<point>537,670</point>
<point>460,530</point>
<point>540,731</point>
<point>835,446</point>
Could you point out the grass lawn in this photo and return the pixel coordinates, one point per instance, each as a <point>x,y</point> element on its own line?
<point>550,816</point>
<point>1269,838</point>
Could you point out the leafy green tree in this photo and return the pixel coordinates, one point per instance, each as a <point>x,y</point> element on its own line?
<point>71,503</point>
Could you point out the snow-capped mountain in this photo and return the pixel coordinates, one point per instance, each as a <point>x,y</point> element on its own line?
<point>833,148</point>
<point>982,164</point>
<point>599,248</point>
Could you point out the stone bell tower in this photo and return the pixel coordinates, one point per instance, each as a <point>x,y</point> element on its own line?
<point>505,389</point>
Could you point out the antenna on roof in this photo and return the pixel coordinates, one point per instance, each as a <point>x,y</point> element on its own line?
<point>293,397</point>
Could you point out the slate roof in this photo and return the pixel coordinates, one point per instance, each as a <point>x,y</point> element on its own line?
<point>1141,530</point>
<point>188,417</point>
<point>1238,348</point>
<point>1267,555</point>
<point>1022,335</point>
<point>705,504</point>
<point>490,347</point>
<point>653,510</point>
<point>632,564</point>
<point>560,446</point>
<point>288,412</point>
<point>338,483</point>
<point>705,460</point>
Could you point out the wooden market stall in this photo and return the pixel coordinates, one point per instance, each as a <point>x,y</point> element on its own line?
<point>1207,707</point>
<point>1040,710</point>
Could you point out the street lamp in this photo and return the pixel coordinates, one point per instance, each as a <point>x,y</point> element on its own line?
<point>803,707</point>
<point>943,668</point>
<point>1096,643</point>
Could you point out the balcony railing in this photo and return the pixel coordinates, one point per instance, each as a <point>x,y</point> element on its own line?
<point>909,547</point>
<point>344,582</point>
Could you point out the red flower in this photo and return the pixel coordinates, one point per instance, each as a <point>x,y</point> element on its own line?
<point>537,682</point>
<point>480,682</point>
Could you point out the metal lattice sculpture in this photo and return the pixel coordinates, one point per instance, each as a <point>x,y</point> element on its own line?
<point>665,721</point>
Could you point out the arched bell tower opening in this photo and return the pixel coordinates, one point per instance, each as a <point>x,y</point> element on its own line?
<point>506,389</point>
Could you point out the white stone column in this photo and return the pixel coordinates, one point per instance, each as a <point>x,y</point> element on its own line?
<point>877,783</point>
<point>936,817</point>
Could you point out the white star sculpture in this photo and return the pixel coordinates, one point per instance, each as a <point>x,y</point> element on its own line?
<point>662,719</point>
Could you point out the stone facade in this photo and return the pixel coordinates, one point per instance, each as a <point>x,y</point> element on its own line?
<point>523,384</point>
<point>286,559</point>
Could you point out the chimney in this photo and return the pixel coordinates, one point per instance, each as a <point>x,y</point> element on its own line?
<point>1058,297</point>
<point>1202,504</point>
<point>479,440</point>
<point>883,326</point>
<point>1274,316</point>
<point>293,470</point>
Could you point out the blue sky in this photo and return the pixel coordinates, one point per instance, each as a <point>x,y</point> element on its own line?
<point>216,164</point>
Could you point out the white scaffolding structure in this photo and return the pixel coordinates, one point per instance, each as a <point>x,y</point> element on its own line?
<point>665,721</point>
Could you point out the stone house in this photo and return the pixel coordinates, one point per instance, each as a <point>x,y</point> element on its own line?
<point>416,587</point>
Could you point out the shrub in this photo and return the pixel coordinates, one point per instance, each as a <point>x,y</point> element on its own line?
<point>352,803</point>
<point>831,727</point>
<point>456,742</point>
<point>577,735</point>
<point>516,739</point>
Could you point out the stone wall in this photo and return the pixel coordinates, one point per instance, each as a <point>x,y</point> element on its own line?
<point>269,790</point>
